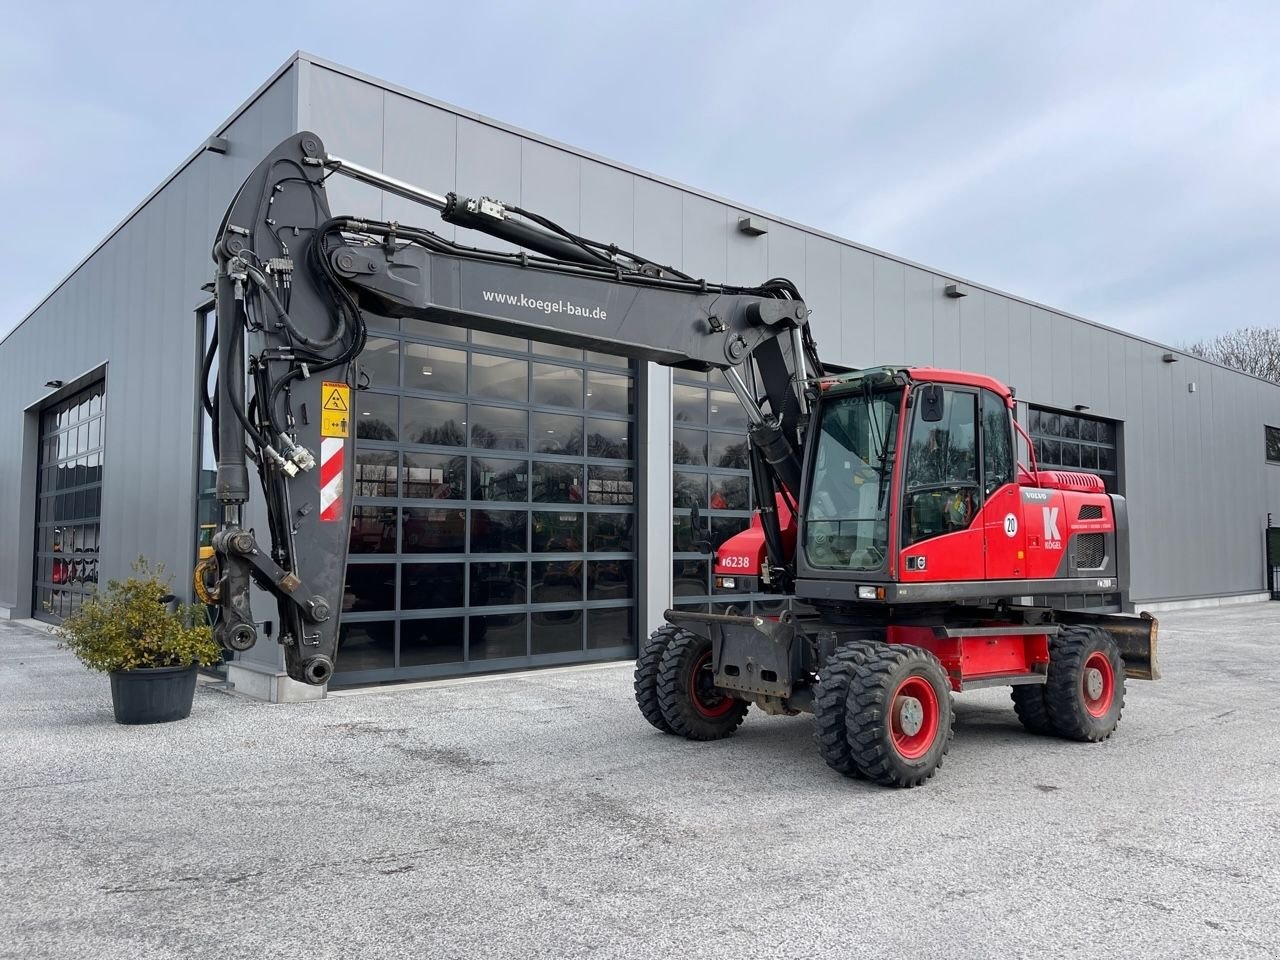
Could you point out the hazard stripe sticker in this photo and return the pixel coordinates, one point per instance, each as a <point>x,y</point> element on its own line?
<point>331,462</point>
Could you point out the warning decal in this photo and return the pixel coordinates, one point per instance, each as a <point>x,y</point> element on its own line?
<point>335,419</point>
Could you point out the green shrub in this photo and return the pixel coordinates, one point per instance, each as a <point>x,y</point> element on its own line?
<point>127,626</point>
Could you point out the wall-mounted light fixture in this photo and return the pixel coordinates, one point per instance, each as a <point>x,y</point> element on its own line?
<point>1169,358</point>
<point>55,384</point>
<point>956,290</point>
<point>752,226</point>
<point>217,144</point>
<point>1081,407</point>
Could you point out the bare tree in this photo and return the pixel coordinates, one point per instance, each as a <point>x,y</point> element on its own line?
<point>1254,350</point>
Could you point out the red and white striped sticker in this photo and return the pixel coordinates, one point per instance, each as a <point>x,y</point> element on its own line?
<point>331,478</point>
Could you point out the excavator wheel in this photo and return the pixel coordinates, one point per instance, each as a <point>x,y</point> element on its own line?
<point>829,696</point>
<point>692,705</point>
<point>898,716</point>
<point>1032,708</point>
<point>646,675</point>
<point>1085,692</point>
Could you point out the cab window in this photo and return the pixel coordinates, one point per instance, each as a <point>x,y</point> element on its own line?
<point>997,443</point>
<point>942,493</point>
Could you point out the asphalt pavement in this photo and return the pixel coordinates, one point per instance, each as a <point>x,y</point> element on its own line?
<point>538,815</point>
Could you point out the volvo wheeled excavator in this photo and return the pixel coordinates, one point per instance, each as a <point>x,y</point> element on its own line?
<point>921,556</point>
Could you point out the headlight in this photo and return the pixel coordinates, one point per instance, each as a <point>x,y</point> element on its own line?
<point>870,592</point>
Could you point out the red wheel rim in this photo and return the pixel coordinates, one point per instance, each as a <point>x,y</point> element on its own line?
<point>1098,690</point>
<point>914,717</point>
<point>703,692</point>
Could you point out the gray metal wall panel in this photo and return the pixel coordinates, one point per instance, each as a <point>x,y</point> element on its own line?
<point>420,146</point>
<point>821,286</point>
<point>130,306</point>
<point>704,238</point>
<point>608,204</point>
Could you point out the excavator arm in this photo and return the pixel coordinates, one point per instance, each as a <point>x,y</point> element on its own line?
<point>292,287</point>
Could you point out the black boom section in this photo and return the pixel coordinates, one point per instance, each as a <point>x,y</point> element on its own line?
<point>292,286</point>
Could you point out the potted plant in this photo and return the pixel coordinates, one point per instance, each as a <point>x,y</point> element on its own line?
<point>150,646</point>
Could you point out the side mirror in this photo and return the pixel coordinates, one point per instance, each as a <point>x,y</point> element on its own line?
<point>695,521</point>
<point>931,403</point>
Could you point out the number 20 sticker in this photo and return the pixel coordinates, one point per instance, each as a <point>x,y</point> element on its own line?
<point>1010,525</point>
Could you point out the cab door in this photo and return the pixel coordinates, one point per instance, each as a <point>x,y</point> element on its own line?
<point>942,498</point>
<point>1004,533</point>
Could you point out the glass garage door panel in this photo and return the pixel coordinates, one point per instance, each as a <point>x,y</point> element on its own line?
<point>69,503</point>
<point>495,508</point>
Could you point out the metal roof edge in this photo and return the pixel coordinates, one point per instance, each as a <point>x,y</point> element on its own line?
<point>217,131</point>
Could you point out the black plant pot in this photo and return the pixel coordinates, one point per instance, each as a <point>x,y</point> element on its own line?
<point>153,694</point>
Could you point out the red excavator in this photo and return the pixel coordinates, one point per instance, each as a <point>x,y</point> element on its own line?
<point>921,556</point>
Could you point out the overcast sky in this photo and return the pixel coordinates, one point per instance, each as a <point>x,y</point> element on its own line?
<point>1116,160</point>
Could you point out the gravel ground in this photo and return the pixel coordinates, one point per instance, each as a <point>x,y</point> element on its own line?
<point>539,816</point>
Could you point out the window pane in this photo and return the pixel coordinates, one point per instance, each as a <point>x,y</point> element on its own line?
<point>557,386</point>
<point>376,473</point>
<point>688,404</point>
<point>499,479</point>
<point>557,581</point>
<point>611,628</point>
<point>1070,454</point>
<point>610,579</point>
<point>499,428</point>
<point>557,532</point>
<point>430,586</point>
<point>609,439</point>
<point>729,450</point>
<point>499,531</point>
<point>1088,429</point>
<point>373,530</point>
<point>380,361</point>
<point>433,530</point>
<point>1107,459</point>
<point>366,646</point>
<point>482,339</point>
<point>689,578</point>
<point>610,393</point>
<point>431,641</point>
<point>440,422</point>
<point>556,631</point>
<point>611,532</point>
<point>435,476</point>
<point>499,378</point>
<point>1088,457</point>
<point>494,584</point>
<point>610,485</point>
<point>555,350</point>
<point>557,482</point>
<point>556,433</point>
<point>688,489</point>
<point>428,367</point>
<point>683,534</point>
<point>498,635</point>
<point>377,420</point>
<point>605,359</point>
<point>1070,427</point>
<point>428,328</point>
<point>689,447</point>
<point>730,493</point>
<point>726,411</point>
<point>370,586</point>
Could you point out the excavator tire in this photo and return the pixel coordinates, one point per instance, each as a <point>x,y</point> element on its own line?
<point>829,696</point>
<point>692,705</point>
<point>1032,708</point>
<point>1085,692</point>
<point>898,715</point>
<point>646,675</point>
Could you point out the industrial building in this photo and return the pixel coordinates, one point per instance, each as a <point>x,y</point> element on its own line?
<point>522,504</point>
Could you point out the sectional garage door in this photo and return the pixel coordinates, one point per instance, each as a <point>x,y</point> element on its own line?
<point>69,505</point>
<point>495,510</point>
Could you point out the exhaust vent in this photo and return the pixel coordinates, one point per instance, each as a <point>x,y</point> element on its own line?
<point>1091,551</point>
<point>1091,511</point>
